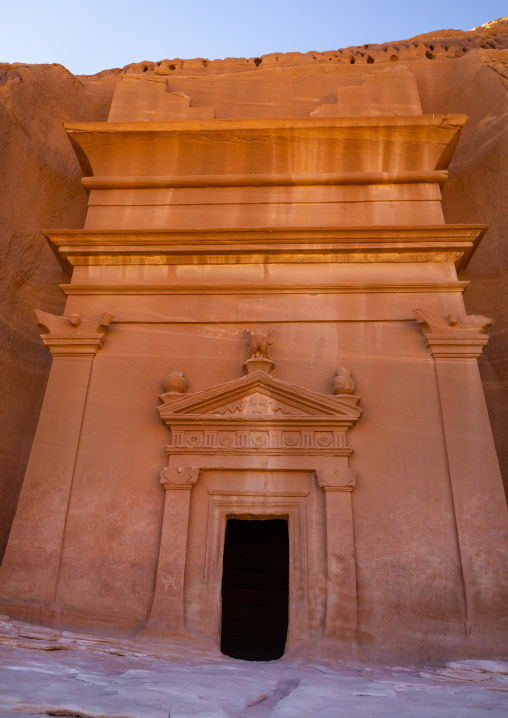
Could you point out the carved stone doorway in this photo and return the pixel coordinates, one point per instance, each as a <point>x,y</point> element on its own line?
<point>255,588</point>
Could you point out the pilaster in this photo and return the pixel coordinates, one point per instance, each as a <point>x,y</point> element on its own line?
<point>168,605</point>
<point>31,566</point>
<point>478,497</point>
<point>341,603</point>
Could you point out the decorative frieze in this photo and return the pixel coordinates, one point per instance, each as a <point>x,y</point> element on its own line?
<point>289,441</point>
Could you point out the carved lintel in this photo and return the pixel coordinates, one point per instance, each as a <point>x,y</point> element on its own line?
<point>454,336</point>
<point>73,336</point>
<point>339,479</point>
<point>179,477</point>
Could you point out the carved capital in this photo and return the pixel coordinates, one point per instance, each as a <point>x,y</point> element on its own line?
<point>340,479</point>
<point>73,336</point>
<point>453,337</point>
<point>179,477</point>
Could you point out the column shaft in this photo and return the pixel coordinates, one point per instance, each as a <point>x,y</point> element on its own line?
<point>341,597</point>
<point>168,602</point>
<point>168,606</point>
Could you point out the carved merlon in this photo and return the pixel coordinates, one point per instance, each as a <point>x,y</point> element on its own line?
<point>73,336</point>
<point>148,99</point>
<point>453,336</point>
<point>339,479</point>
<point>179,477</point>
<point>391,91</point>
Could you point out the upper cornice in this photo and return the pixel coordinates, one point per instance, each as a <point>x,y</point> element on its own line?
<point>316,145</point>
<point>442,243</point>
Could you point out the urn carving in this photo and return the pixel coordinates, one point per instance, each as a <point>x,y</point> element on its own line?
<point>175,383</point>
<point>343,382</point>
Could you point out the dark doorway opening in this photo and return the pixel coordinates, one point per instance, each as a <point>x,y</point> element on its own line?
<point>255,589</point>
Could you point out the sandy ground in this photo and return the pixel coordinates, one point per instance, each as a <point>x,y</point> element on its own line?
<point>45,672</point>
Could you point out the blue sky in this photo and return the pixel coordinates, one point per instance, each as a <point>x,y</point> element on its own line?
<point>95,35</point>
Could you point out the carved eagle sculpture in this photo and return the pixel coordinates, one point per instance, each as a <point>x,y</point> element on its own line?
<point>259,342</point>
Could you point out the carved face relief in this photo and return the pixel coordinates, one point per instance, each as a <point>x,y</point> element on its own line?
<point>258,404</point>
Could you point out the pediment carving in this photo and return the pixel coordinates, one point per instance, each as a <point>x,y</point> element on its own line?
<point>257,405</point>
<point>258,413</point>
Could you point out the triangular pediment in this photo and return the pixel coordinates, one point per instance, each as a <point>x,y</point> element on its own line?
<point>259,396</point>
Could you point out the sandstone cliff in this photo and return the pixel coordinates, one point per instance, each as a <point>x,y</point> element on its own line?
<point>456,72</point>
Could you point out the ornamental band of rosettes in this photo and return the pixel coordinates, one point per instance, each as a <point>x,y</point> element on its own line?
<point>279,441</point>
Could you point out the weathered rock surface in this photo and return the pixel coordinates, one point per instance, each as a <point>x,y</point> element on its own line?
<point>40,180</point>
<point>456,72</point>
<point>45,672</point>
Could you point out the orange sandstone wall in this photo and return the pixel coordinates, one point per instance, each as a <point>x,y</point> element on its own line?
<point>456,72</point>
<point>40,187</point>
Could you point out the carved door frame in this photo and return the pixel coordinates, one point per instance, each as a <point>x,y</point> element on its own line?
<point>258,423</point>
